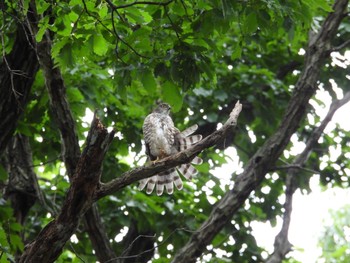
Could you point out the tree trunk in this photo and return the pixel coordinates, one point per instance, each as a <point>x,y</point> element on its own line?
<point>17,74</point>
<point>49,243</point>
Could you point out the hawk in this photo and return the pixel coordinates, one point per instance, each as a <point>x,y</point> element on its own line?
<point>163,139</point>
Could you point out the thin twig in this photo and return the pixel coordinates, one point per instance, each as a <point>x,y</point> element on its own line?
<point>138,3</point>
<point>341,46</point>
<point>114,32</point>
<point>294,166</point>
<point>171,22</point>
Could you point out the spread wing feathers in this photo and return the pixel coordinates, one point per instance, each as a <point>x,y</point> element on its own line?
<point>187,142</point>
<point>184,140</point>
<point>187,170</point>
<point>189,130</point>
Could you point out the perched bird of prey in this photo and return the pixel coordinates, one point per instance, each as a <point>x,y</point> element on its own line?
<point>163,139</point>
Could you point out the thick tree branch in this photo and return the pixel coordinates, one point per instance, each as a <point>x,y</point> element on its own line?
<point>268,154</point>
<point>169,162</point>
<point>58,99</point>
<point>50,241</point>
<point>282,245</point>
<point>63,117</point>
<point>98,236</point>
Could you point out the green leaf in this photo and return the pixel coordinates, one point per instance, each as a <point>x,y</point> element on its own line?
<point>57,46</point>
<point>251,23</point>
<point>100,45</point>
<point>237,52</point>
<point>103,11</point>
<point>3,239</point>
<point>16,227</point>
<point>323,4</point>
<point>66,56</point>
<point>41,6</point>
<point>3,173</point>
<point>73,16</point>
<point>43,25</point>
<point>16,242</point>
<point>74,95</point>
<point>171,94</point>
<point>148,81</point>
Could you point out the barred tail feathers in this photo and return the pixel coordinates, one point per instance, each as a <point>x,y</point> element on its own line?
<point>151,184</point>
<point>165,179</point>
<point>162,180</point>
<point>197,160</point>
<point>143,183</point>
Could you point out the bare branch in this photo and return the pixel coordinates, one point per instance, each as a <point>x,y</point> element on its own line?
<point>282,245</point>
<point>169,162</point>
<point>295,166</point>
<point>114,7</point>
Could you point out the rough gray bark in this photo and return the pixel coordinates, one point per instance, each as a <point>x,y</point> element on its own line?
<point>267,155</point>
<point>17,74</point>
<point>98,236</point>
<point>282,245</point>
<point>22,188</point>
<point>58,99</point>
<point>50,241</point>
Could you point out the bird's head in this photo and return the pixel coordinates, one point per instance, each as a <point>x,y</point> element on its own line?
<point>163,108</point>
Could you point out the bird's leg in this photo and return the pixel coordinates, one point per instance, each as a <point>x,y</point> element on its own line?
<point>156,160</point>
<point>160,157</point>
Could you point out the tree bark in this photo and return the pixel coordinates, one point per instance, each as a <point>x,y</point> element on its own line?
<point>22,188</point>
<point>50,241</point>
<point>268,154</point>
<point>17,74</point>
<point>98,236</point>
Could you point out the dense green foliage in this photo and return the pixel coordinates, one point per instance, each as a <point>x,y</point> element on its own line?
<point>200,57</point>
